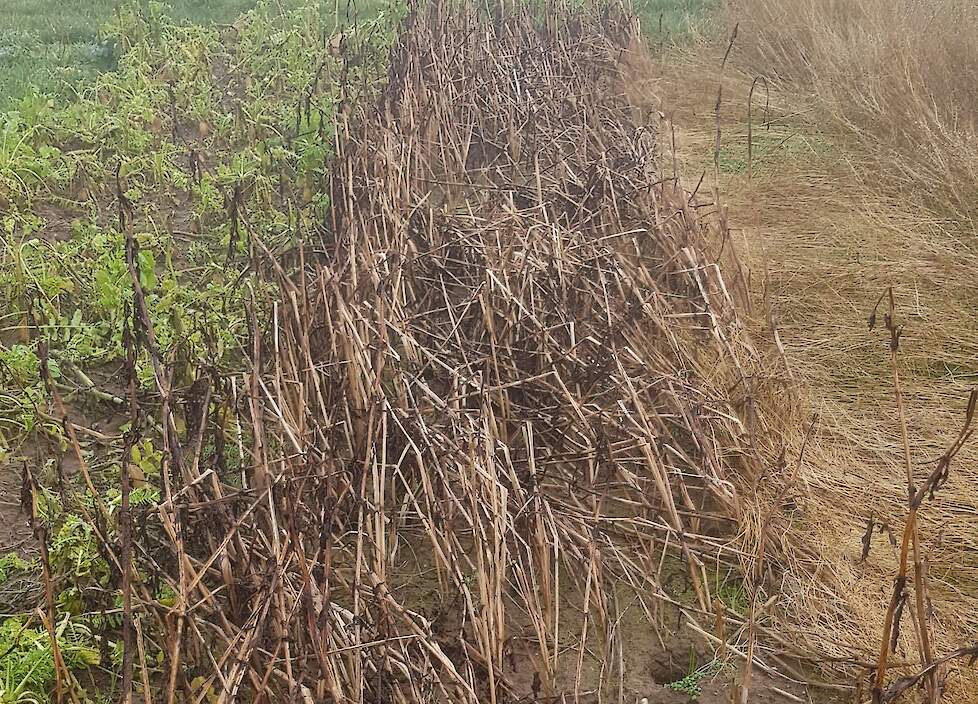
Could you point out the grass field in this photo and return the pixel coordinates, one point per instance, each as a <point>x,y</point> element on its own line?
<point>673,20</point>
<point>54,47</point>
<point>912,108</point>
<point>871,185</point>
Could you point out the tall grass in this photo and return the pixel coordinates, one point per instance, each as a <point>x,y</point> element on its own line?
<point>901,77</point>
<point>890,87</point>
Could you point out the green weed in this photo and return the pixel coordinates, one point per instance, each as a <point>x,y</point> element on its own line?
<point>10,564</point>
<point>690,685</point>
<point>770,148</point>
<point>734,597</point>
<point>27,672</point>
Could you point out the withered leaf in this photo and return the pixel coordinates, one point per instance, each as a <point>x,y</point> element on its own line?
<point>867,538</point>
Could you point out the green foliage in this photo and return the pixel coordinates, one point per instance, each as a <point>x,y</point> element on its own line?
<point>257,99</point>
<point>11,563</point>
<point>734,596</point>
<point>771,146</point>
<point>87,603</point>
<point>21,391</point>
<point>674,21</point>
<point>19,365</point>
<point>74,551</point>
<point>213,135</point>
<point>27,670</point>
<point>25,161</point>
<point>690,685</point>
<point>28,666</point>
<point>56,47</point>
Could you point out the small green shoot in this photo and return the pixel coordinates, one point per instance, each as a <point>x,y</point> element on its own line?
<point>690,685</point>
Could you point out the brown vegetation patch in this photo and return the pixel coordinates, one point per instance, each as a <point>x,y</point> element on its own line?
<point>511,368</point>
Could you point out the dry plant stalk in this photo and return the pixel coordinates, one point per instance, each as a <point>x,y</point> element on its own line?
<point>910,543</point>
<point>506,380</point>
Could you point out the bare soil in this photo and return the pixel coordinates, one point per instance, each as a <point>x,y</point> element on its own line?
<point>652,663</point>
<point>14,530</point>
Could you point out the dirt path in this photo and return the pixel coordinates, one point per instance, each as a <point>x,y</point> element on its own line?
<point>822,245</point>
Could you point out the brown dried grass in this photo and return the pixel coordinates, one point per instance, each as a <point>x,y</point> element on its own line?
<point>822,244</point>
<point>899,77</point>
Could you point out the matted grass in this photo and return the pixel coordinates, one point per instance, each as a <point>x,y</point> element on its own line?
<point>822,244</point>
<point>899,77</point>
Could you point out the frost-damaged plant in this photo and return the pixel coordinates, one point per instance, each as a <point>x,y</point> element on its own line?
<point>503,361</point>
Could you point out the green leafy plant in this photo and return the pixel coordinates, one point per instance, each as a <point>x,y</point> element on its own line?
<point>210,135</point>
<point>27,668</point>
<point>690,685</point>
<point>11,563</point>
<point>733,595</point>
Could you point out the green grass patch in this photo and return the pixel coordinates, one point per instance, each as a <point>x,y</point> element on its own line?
<point>674,21</point>
<point>54,47</point>
<point>733,595</point>
<point>771,147</point>
<point>57,48</point>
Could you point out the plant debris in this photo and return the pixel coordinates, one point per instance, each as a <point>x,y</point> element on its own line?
<point>507,364</point>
